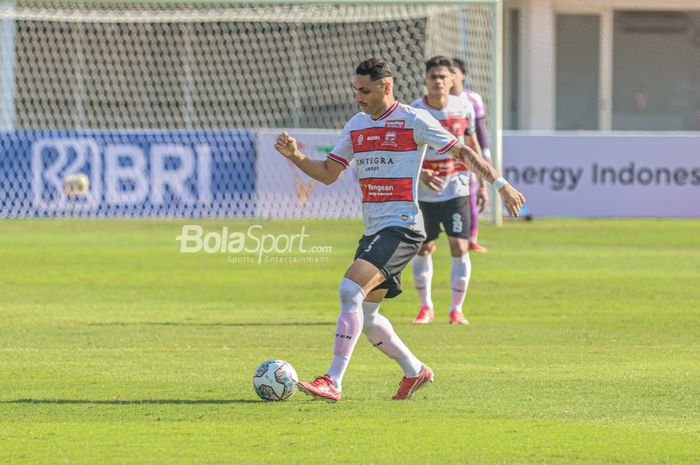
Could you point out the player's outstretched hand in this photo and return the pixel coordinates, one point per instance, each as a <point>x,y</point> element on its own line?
<point>431,179</point>
<point>512,199</point>
<point>286,145</point>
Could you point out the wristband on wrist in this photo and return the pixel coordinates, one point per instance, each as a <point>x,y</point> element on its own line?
<point>500,182</point>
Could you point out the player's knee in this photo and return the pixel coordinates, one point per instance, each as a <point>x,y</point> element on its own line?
<point>460,251</point>
<point>351,293</point>
<point>427,248</point>
<point>459,248</point>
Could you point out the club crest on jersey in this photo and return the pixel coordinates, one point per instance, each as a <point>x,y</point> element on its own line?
<point>395,123</point>
<point>390,139</point>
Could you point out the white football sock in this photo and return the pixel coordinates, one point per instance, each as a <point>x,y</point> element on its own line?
<point>347,330</point>
<point>423,277</point>
<point>381,334</point>
<point>459,280</point>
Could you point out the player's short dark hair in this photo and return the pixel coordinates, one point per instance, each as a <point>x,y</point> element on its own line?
<point>439,60</point>
<point>460,65</point>
<point>375,68</point>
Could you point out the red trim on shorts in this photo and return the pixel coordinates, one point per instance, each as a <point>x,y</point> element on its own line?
<point>338,159</point>
<point>377,190</point>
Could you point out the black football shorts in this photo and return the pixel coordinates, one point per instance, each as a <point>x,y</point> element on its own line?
<point>453,215</point>
<point>390,250</point>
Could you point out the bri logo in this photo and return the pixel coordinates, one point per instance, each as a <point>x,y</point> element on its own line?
<point>119,174</point>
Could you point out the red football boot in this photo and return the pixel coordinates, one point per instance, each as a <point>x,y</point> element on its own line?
<point>425,315</point>
<point>457,318</point>
<point>477,248</point>
<point>320,388</point>
<point>409,386</point>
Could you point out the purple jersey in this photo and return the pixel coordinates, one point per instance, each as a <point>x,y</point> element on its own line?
<point>477,102</point>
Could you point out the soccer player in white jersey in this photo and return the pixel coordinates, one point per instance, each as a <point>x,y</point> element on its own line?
<point>443,193</point>
<point>386,141</point>
<point>459,70</point>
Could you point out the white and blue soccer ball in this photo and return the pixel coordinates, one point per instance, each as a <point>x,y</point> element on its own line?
<point>275,380</point>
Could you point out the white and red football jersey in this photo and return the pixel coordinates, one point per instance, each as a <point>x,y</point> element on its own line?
<point>458,118</point>
<point>388,153</point>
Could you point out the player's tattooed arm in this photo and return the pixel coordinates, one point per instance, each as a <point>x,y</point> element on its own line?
<point>325,171</point>
<point>511,198</point>
<point>474,162</point>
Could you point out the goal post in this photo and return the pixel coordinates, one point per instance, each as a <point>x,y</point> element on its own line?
<point>101,67</point>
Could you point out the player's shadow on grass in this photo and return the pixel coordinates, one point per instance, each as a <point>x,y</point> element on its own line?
<point>133,402</point>
<point>168,323</point>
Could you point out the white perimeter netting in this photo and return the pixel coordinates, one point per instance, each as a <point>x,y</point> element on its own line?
<point>160,77</point>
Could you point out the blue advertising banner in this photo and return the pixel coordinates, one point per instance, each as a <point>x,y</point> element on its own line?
<point>127,173</point>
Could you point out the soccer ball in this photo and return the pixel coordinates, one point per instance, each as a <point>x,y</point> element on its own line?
<point>275,380</point>
<point>76,185</point>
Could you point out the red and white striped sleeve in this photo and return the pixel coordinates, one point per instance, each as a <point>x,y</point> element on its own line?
<point>342,151</point>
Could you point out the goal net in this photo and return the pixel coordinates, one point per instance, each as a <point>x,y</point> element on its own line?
<point>168,109</point>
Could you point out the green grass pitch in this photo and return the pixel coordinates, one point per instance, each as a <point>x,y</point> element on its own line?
<point>115,348</point>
